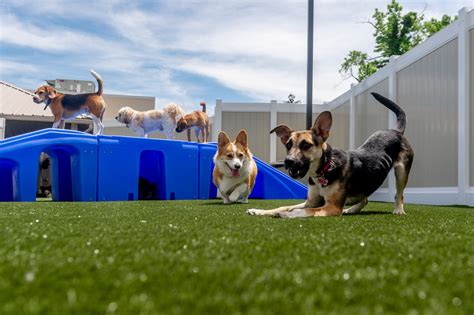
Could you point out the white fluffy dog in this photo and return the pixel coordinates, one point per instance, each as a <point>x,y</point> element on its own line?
<point>144,123</point>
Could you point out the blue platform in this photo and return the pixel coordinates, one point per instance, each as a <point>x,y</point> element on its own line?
<point>109,168</point>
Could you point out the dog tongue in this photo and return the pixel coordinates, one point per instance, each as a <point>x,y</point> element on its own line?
<point>235,173</point>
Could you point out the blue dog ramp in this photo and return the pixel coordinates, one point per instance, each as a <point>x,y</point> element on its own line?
<point>112,168</point>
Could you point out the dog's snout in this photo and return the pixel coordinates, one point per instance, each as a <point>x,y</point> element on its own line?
<point>237,166</point>
<point>289,162</point>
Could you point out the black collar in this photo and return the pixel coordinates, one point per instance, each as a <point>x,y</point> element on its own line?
<point>47,103</point>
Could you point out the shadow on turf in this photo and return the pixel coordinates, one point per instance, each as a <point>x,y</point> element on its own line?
<point>369,212</point>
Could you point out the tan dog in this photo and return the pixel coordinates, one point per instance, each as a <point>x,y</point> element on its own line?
<point>144,123</point>
<point>197,120</point>
<point>67,106</point>
<point>235,170</point>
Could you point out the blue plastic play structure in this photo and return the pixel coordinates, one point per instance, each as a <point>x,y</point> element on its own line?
<point>109,168</point>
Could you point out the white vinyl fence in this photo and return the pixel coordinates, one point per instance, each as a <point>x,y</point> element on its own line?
<point>434,83</point>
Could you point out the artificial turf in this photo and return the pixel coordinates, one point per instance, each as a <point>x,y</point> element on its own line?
<point>190,257</point>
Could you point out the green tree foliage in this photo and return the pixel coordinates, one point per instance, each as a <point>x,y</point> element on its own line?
<point>395,34</point>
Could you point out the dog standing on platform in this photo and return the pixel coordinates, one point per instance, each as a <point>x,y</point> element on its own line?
<point>69,106</point>
<point>144,123</point>
<point>197,120</point>
<point>337,177</point>
<point>235,170</point>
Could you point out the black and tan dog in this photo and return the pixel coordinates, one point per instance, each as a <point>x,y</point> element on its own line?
<point>337,177</point>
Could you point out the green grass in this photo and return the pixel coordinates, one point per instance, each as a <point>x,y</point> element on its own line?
<point>203,257</point>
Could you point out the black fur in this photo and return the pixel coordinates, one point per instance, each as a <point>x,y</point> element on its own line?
<point>401,116</point>
<point>75,102</point>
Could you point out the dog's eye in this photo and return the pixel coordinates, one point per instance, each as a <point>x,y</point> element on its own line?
<point>230,155</point>
<point>288,145</point>
<point>240,155</point>
<point>305,145</point>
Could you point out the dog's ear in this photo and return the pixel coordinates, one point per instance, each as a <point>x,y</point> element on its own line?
<point>222,139</point>
<point>322,125</point>
<point>242,138</point>
<point>283,132</point>
<point>51,92</point>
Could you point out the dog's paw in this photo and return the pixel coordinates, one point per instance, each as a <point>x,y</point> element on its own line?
<point>255,212</point>
<point>399,212</point>
<point>234,196</point>
<point>245,200</point>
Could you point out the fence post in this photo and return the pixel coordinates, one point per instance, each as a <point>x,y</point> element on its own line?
<point>217,125</point>
<point>463,107</point>
<point>352,118</point>
<point>273,123</point>
<point>2,128</point>
<point>392,94</point>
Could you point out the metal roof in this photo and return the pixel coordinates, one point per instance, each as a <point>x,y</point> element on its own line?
<point>16,101</point>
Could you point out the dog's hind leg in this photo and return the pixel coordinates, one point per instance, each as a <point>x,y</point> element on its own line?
<point>402,170</point>
<point>196,132</point>
<point>357,207</point>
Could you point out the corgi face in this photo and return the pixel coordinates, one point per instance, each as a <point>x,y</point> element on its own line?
<point>233,158</point>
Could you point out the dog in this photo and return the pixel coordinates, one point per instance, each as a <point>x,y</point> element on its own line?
<point>68,106</point>
<point>235,170</point>
<point>144,123</point>
<point>337,177</point>
<point>197,120</point>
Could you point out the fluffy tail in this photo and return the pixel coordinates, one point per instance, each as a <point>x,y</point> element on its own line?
<point>401,116</point>
<point>203,104</point>
<point>100,82</point>
<point>175,111</point>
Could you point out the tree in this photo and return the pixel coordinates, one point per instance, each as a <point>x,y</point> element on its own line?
<point>395,34</point>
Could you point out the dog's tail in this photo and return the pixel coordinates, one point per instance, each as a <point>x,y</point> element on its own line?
<point>203,104</point>
<point>175,111</point>
<point>100,82</point>
<point>401,116</point>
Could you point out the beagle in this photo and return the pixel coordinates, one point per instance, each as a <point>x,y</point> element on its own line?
<point>69,106</point>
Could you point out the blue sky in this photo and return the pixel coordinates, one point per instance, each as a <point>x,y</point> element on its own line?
<point>188,51</point>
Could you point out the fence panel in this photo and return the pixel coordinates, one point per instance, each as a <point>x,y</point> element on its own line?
<point>257,125</point>
<point>427,90</point>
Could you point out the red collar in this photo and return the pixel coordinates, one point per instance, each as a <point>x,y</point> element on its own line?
<point>320,176</point>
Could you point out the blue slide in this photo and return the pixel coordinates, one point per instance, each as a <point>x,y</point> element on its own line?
<point>114,168</point>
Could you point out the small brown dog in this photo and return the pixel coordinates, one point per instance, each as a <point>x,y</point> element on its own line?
<point>67,106</point>
<point>197,120</point>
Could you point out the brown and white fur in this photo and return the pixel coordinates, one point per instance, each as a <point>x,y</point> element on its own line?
<point>235,170</point>
<point>144,123</point>
<point>197,120</point>
<point>338,177</point>
<point>69,106</point>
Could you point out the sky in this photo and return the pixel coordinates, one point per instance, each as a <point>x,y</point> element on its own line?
<point>187,51</point>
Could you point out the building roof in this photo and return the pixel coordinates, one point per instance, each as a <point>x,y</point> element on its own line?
<point>16,101</point>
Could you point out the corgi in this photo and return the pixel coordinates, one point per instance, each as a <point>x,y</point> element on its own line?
<point>235,170</point>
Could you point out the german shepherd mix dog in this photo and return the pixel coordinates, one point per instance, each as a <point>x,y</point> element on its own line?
<point>337,177</point>
<point>235,170</point>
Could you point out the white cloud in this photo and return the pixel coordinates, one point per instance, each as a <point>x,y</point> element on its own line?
<point>257,48</point>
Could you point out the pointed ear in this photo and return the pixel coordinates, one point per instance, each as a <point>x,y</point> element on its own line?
<point>222,139</point>
<point>283,132</point>
<point>241,138</point>
<point>322,125</point>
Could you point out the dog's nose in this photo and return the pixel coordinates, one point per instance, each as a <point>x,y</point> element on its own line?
<point>289,162</point>
<point>237,166</point>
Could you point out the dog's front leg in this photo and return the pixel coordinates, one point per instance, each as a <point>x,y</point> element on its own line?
<point>238,191</point>
<point>314,200</point>
<point>224,196</point>
<point>276,212</point>
<point>189,134</point>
